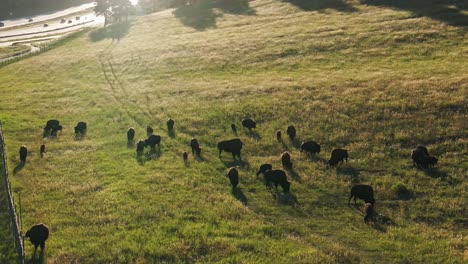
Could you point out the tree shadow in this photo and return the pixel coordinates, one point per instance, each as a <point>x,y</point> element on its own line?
<point>316,5</point>
<point>18,168</point>
<point>450,11</point>
<point>198,15</point>
<point>238,7</point>
<point>239,195</point>
<point>115,31</point>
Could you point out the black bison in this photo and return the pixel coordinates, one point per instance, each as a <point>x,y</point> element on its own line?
<point>38,235</point>
<point>310,147</point>
<point>185,156</point>
<point>42,150</point>
<point>337,156</point>
<point>291,131</point>
<point>278,135</point>
<point>152,141</point>
<point>233,175</point>
<point>421,158</point>
<point>263,168</point>
<point>363,192</point>
<point>286,160</point>
<point>149,131</point>
<point>81,128</point>
<point>170,124</point>
<point>369,211</point>
<point>234,129</point>
<point>249,123</point>
<point>23,153</point>
<point>233,146</point>
<point>52,127</point>
<point>276,177</point>
<point>196,150</point>
<point>140,146</point>
<point>130,134</point>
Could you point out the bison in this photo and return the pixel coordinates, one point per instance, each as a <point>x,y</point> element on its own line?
<point>152,141</point>
<point>233,146</point>
<point>263,168</point>
<point>249,123</point>
<point>276,177</point>
<point>286,160</point>
<point>52,124</point>
<point>429,162</point>
<point>130,134</point>
<point>291,131</point>
<point>149,131</point>
<point>196,150</point>
<point>42,150</point>
<point>363,192</point>
<point>38,235</point>
<point>337,156</point>
<point>185,156</point>
<point>310,147</point>
<point>23,153</point>
<point>421,158</point>
<point>170,124</point>
<point>278,135</point>
<point>234,129</point>
<point>233,175</point>
<point>369,211</point>
<point>80,128</point>
<point>140,146</point>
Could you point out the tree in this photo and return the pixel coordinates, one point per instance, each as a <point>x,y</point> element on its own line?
<point>115,9</point>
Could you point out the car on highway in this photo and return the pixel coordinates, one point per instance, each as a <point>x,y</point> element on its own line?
<point>63,20</point>
<point>30,20</point>
<point>2,24</point>
<point>46,25</point>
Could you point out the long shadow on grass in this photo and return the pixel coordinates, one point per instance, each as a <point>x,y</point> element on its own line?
<point>18,168</point>
<point>236,163</point>
<point>316,5</point>
<point>131,143</point>
<point>239,195</point>
<point>452,12</point>
<point>37,259</point>
<point>295,175</point>
<point>114,31</point>
<point>254,135</point>
<point>380,221</point>
<point>287,198</point>
<point>436,173</point>
<point>348,171</point>
<point>239,7</point>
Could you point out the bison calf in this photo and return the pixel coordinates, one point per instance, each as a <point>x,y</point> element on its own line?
<point>185,156</point>
<point>23,153</point>
<point>38,235</point>
<point>170,124</point>
<point>233,175</point>
<point>291,131</point>
<point>249,123</point>
<point>363,192</point>
<point>234,129</point>
<point>278,135</point>
<point>149,131</point>
<point>130,134</point>
<point>369,211</point>
<point>42,150</point>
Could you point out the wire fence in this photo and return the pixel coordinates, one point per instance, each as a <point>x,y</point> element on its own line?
<point>14,220</point>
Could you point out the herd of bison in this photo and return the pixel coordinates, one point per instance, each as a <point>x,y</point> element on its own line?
<point>272,177</point>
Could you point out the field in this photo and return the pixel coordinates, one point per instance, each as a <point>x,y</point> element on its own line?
<point>375,79</point>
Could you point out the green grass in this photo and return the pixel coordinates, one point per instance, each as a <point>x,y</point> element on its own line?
<point>374,80</point>
<point>13,50</point>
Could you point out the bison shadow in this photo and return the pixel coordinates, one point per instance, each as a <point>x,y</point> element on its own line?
<point>316,5</point>
<point>35,259</point>
<point>130,144</point>
<point>114,31</point>
<point>140,158</point>
<point>239,195</point>
<point>171,133</point>
<point>18,168</point>
<point>380,221</point>
<point>348,171</point>
<point>253,135</point>
<point>286,198</point>
<point>283,144</point>
<point>294,175</point>
<point>296,143</point>
<point>49,134</point>
<point>80,136</point>
<point>237,163</point>
<point>436,173</point>
<point>199,158</point>
<point>452,14</point>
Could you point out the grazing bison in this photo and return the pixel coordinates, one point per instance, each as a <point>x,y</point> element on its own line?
<point>233,146</point>
<point>249,123</point>
<point>286,160</point>
<point>369,211</point>
<point>149,131</point>
<point>291,131</point>
<point>170,124</point>
<point>363,192</point>
<point>310,147</point>
<point>278,135</point>
<point>196,150</point>
<point>130,134</point>
<point>276,177</point>
<point>38,235</point>
<point>152,141</point>
<point>337,156</point>
<point>263,168</point>
<point>140,146</point>
<point>233,175</point>
<point>42,150</point>
<point>23,152</point>
<point>234,129</point>
<point>51,128</point>
<point>80,128</point>
<point>185,156</point>
<point>421,158</point>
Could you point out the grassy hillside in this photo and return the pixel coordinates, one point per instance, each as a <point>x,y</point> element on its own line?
<point>377,80</point>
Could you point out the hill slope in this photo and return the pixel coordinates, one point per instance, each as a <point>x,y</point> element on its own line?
<point>377,80</point>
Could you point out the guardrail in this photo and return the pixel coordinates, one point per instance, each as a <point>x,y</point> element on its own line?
<point>11,203</point>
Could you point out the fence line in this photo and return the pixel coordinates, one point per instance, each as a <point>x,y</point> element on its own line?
<point>11,204</point>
